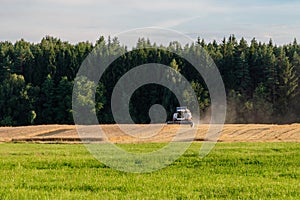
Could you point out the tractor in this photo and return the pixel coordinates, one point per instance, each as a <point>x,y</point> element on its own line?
<point>182,116</point>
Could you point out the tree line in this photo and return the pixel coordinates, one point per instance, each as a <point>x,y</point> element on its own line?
<point>36,79</point>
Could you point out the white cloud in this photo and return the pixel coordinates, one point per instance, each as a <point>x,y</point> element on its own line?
<point>87,19</point>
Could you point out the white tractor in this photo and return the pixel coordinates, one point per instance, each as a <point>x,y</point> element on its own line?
<point>182,116</point>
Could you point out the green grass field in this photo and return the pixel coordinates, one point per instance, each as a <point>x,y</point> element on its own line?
<point>230,171</point>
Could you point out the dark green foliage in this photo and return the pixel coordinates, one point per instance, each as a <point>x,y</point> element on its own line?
<point>46,102</point>
<point>63,94</point>
<point>36,80</point>
<point>15,103</point>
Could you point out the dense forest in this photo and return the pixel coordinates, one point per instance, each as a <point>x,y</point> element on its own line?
<point>36,80</point>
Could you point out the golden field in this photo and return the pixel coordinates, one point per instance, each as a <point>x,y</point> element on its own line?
<point>153,133</point>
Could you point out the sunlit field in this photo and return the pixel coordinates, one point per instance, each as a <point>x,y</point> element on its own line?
<point>230,171</point>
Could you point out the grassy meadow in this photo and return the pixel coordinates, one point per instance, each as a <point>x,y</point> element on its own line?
<point>230,171</point>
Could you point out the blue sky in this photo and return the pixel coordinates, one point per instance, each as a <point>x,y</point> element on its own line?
<point>81,20</point>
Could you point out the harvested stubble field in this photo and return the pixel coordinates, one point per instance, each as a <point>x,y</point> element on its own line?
<point>154,133</point>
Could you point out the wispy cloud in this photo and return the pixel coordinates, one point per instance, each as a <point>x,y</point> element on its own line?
<point>77,20</point>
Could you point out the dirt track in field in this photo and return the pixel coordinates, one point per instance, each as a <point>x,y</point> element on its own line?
<point>152,133</point>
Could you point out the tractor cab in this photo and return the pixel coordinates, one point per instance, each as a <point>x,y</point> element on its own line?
<point>182,116</point>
